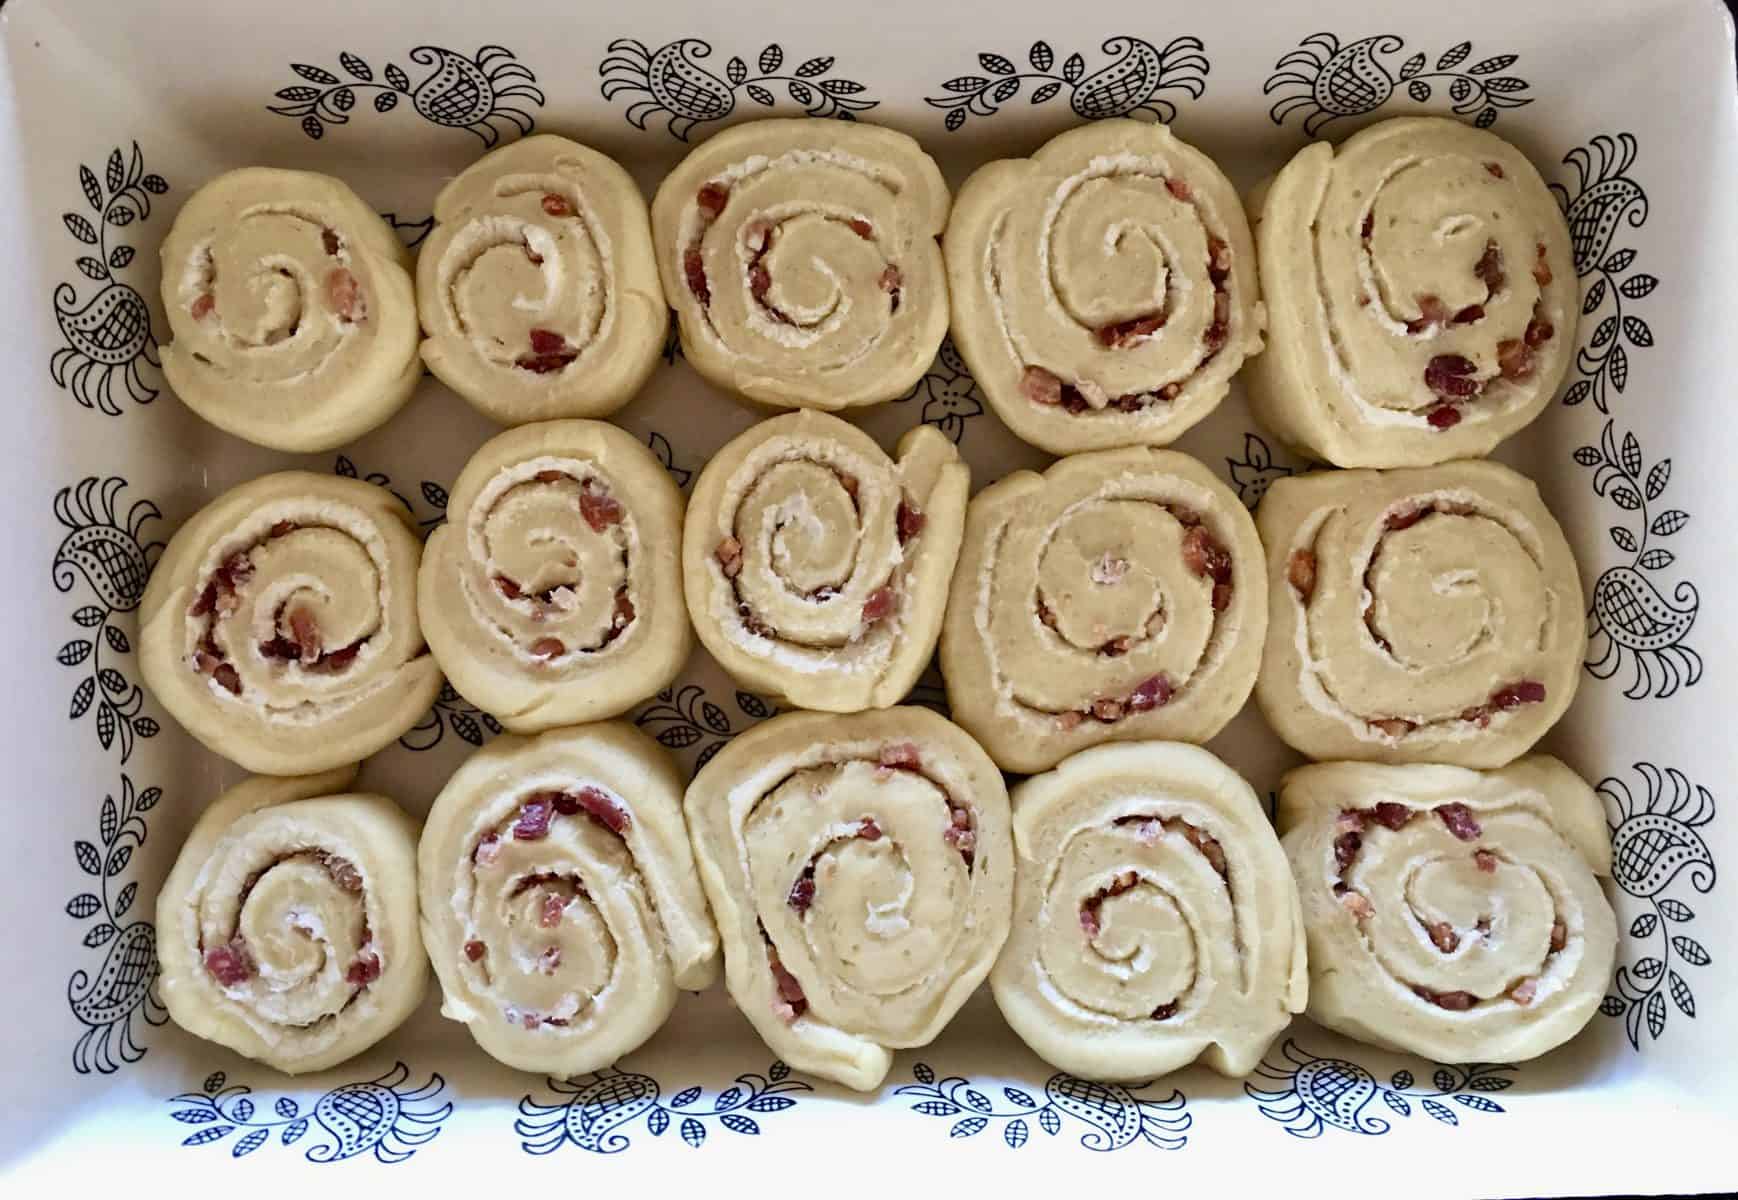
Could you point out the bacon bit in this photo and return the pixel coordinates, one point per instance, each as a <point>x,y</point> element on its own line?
<point>961,839</point>
<point>849,482</point>
<point>230,964</point>
<point>790,992</point>
<point>1489,269</point>
<point>1495,169</point>
<point>1346,848</point>
<point>729,555</point>
<point>1073,400</point>
<point>548,647</point>
<point>1351,820</point>
<point>306,635</point>
<point>1170,391</point>
<point>802,893</point>
<point>1127,333</point>
<point>1089,919</point>
<point>879,605</point>
<point>1452,1001</point>
<point>1528,691</point>
<point>507,587</point>
<point>553,906</point>
<point>227,679</point>
<point>1165,1012</point>
<point>532,256</point>
<point>751,623</point>
<point>1178,188</point>
<point>1443,936</point>
<point>1391,815</point>
<point>1431,313</point>
<point>600,509</point>
<point>1358,905</point>
<point>1443,416</point>
<point>344,295</point>
<point>868,830</point>
<point>1559,936</point>
<point>1460,821</point>
<point>1514,358</point>
<point>1469,314</point>
<point>1300,572</point>
<point>1539,331</point>
<point>1115,648</point>
<point>1220,329</point>
<point>759,281</point>
<point>900,756</point>
<point>1541,269</point>
<point>547,341</point>
<point>549,962</point>
<point>1524,991</point>
<point>282,529</point>
<point>1218,259</point>
<point>1394,727</point>
<point>862,229</point>
<point>206,601</point>
<point>624,613</point>
<point>603,808</point>
<point>1107,710</point>
<point>329,239</point>
<point>1485,861</point>
<point>344,873</point>
<point>202,306</point>
<point>1221,597</point>
<point>337,660</point>
<point>1208,845</point>
<point>1483,925</point>
<point>712,198</point>
<point>1450,375</point>
<point>694,267</point>
<point>1040,386</point>
<point>487,851</point>
<point>1369,225</point>
<point>908,520</point>
<point>556,205</point>
<point>1070,719</point>
<point>533,822</point>
<point>364,971</point>
<point>1153,692</point>
<point>474,951</point>
<point>890,282</point>
<point>1407,518</point>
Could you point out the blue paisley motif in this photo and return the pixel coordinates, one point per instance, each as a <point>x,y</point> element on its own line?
<point>597,1109</point>
<point>1311,1094</point>
<point>1116,1115</point>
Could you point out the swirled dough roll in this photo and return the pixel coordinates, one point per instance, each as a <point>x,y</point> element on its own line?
<point>1426,615</point>
<point>801,260</point>
<point>292,311</point>
<point>553,593</point>
<point>559,900</point>
<point>1155,919</point>
<point>1452,913</point>
<point>537,287</point>
<point>287,929</point>
<point>1103,290</point>
<point>817,567</point>
<point>280,625</point>
<point>1119,596</point>
<point>860,868</point>
<point>1421,296</point>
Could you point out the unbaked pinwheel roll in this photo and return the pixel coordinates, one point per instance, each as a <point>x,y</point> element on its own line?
<point>537,287</point>
<point>1119,596</point>
<point>1103,290</point>
<point>559,900</point>
<point>287,929</point>
<point>1155,919</point>
<point>817,567</point>
<point>292,310</point>
<point>553,593</point>
<point>1452,913</point>
<point>861,869</point>
<point>280,625</point>
<point>1424,615</point>
<point>801,260</point>
<point>1421,296</point>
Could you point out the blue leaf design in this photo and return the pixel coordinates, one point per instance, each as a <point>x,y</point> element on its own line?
<point>977,1100</point>
<point>693,1132</point>
<point>194,1116</point>
<point>658,1122</point>
<point>737,1123</point>
<point>1479,1103</point>
<point>242,1112</point>
<point>923,1073</point>
<point>778,1070</point>
<point>728,1099</point>
<point>1489,1083</point>
<point>936,1108</point>
<point>1397,1103</point>
<point>1015,1133</point>
<point>968,1127</point>
<point>205,1136</point>
<point>1441,1112</point>
<point>294,1131</point>
<point>213,1082</point>
<point>250,1143</point>
<point>1444,1079</point>
<point>770,1103</point>
<point>685,1097</point>
<point>285,1107</point>
<point>1016,1096</point>
<point>1049,1122</point>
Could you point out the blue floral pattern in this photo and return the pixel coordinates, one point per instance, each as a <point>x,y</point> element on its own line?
<point>681,717</point>
<point>1327,81</point>
<point>598,1108</point>
<point>483,94</point>
<point>1252,474</point>
<point>379,1116</point>
<point>1312,1093</point>
<point>1655,839</point>
<point>1135,81</point>
<point>1115,1116</point>
<point>949,394</point>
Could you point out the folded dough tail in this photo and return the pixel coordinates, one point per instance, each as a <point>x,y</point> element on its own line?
<point>287,929</point>
<point>860,868</point>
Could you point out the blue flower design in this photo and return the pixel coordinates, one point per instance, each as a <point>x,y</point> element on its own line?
<point>1116,1116</point>
<point>1314,1093</point>
<point>598,1108</point>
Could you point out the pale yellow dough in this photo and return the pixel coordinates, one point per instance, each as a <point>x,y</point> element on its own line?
<point>1414,910</point>
<point>587,926</point>
<point>305,885</point>
<point>1132,953</point>
<point>832,328</point>
<point>807,509</point>
<point>1413,640</point>
<point>306,334</point>
<point>900,928</point>
<point>499,265</point>
<point>1114,222</point>
<point>1343,379</point>
<point>538,616</point>
<point>1074,591</point>
<point>298,549</point>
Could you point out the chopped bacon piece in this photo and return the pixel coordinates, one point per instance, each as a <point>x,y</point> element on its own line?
<point>487,851</point>
<point>507,587</point>
<point>1346,848</point>
<point>1524,991</point>
<point>556,205</point>
<point>862,228</point>
<point>908,520</point>
<point>1152,692</point>
<point>1495,169</point>
<point>337,660</point>
<point>1431,313</point>
<point>1178,188</point>
<point>553,907</point>
<point>1115,648</point>
<point>202,306</point>
<point>1127,333</point>
<point>1107,710</point>
<point>1539,331</point>
<point>961,839</point>
<point>1514,358</point>
<point>1394,727</point>
<point>1218,259</point>
<point>1369,225</point>
<point>1460,821</point>
<point>1040,386</point>
<point>305,632</point>
<point>1443,936</point>
<point>1221,597</point>
<point>364,971</point>
<point>802,893</point>
<point>533,822</point>
<point>1165,1012</point>
<point>1449,375</point>
<point>1358,905</point>
<point>605,809</point>
<point>849,482</point>
<point>1528,691</point>
<point>879,605</point>
<point>227,679</point>
<point>694,267</point>
<point>1541,269</point>
<point>712,198</point>
<point>1203,555</point>
<point>230,964</point>
<point>1300,572</point>
<point>547,341</point>
<point>1490,267</point>
<point>868,830</point>
<point>1485,861</point>
<point>549,962</point>
<point>729,555</point>
<point>548,647</point>
<point>1469,314</point>
<point>792,1002</point>
<point>759,281</point>
<point>344,873</point>
<point>1070,719</point>
<point>1089,919</point>
<point>599,508</point>
<point>344,295</point>
<point>1391,815</point>
<point>1407,518</point>
<point>329,240</point>
<point>1443,416</point>
<point>900,756</point>
<point>890,282</point>
<point>1559,936</point>
<point>1208,845</point>
<point>474,950</point>
<point>206,601</point>
<point>1453,1001</point>
<point>282,529</point>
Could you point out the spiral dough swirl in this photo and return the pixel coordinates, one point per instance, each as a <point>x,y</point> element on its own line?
<point>860,868</point>
<point>292,310</point>
<point>800,257</point>
<point>1154,916</point>
<point>1104,289</point>
<point>1119,596</point>
<point>1421,296</point>
<point>1426,615</point>
<point>537,286</point>
<point>280,626</point>
<point>1452,913</point>
<point>817,568</point>
<point>287,929</point>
